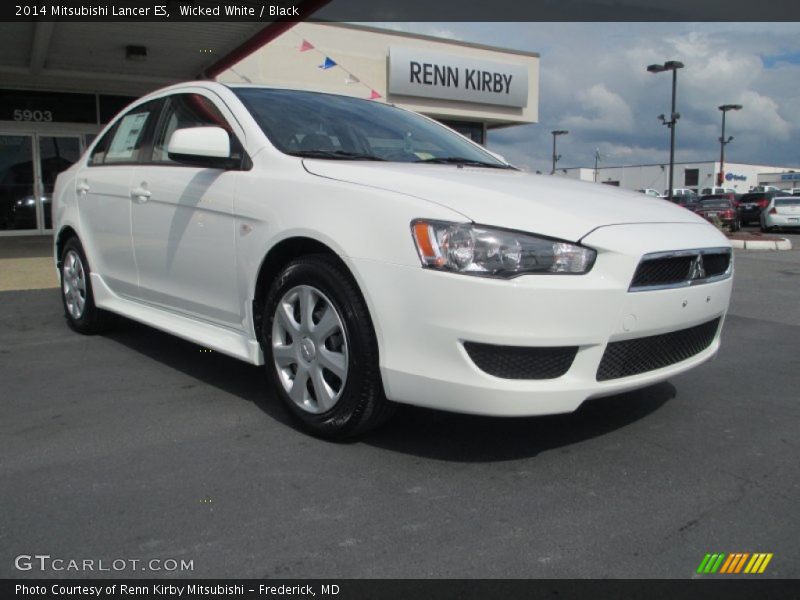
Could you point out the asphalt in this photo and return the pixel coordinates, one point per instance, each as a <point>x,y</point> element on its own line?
<point>138,445</point>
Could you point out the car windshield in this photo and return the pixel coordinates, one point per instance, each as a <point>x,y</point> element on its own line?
<point>326,126</point>
<point>715,204</point>
<point>787,201</point>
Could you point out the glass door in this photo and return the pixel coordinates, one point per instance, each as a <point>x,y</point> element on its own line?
<point>18,206</point>
<point>29,165</point>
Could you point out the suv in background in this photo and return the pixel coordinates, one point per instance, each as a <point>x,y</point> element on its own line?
<point>682,196</point>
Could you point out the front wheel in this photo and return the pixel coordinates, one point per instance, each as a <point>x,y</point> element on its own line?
<point>76,291</point>
<point>320,349</point>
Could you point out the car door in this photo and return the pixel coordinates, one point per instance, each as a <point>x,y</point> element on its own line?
<point>183,223</point>
<point>103,190</point>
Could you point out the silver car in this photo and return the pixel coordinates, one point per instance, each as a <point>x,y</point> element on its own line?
<point>781,212</point>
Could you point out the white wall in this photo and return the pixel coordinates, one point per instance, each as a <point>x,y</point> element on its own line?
<point>740,177</point>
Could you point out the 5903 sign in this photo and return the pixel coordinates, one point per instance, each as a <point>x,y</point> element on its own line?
<point>39,116</point>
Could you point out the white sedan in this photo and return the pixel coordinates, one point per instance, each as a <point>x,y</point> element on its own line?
<point>367,255</point>
<point>782,212</point>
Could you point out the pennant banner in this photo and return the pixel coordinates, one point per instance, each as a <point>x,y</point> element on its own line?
<point>328,63</point>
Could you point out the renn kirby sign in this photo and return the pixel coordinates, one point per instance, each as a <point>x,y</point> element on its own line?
<point>427,74</point>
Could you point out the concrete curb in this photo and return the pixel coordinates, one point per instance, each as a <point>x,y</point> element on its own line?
<point>778,244</point>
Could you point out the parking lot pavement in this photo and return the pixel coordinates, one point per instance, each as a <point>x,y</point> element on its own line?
<point>138,445</point>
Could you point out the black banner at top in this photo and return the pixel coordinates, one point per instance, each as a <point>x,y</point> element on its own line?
<point>402,10</point>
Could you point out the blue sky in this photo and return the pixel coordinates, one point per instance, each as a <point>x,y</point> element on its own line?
<point>594,83</point>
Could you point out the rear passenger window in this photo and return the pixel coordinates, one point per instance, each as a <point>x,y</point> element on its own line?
<point>124,142</point>
<point>185,110</point>
<point>99,151</point>
<point>127,140</point>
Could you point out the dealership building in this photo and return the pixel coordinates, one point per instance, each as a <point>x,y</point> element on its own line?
<point>61,82</point>
<point>740,177</point>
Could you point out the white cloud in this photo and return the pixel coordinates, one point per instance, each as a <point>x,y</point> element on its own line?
<point>594,82</point>
<point>602,110</point>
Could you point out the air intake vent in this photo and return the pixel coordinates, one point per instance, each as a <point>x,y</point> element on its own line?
<point>639,355</point>
<point>682,268</point>
<point>522,362</point>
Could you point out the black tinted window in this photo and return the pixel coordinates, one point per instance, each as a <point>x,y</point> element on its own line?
<point>715,204</point>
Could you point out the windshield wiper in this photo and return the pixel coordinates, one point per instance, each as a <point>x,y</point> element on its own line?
<point>335,154</point>
<point>458,160</point>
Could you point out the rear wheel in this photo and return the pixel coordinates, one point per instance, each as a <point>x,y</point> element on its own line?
<point>320,349</point>
<point>76,291</point>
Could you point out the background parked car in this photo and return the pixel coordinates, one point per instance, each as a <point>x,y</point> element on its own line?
<point>684,197</point>
<point>751,205</point>
<point>781,212</point>
<point>649,192</point>
<point>707,191</point>
<point>720,209</point>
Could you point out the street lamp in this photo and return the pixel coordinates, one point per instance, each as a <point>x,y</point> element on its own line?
<point>723,141</point>
<point>671,65</point>
<point>556,157</point>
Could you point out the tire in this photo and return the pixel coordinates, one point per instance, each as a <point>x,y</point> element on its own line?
<point>77,296</point>
<point>340,393</point>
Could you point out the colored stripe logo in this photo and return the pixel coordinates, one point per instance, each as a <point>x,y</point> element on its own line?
<point>734,563</point>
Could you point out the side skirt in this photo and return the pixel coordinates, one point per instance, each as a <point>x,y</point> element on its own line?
<point>224,340</point>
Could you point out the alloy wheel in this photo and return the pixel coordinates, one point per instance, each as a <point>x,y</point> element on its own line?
<point>74,284</point>
<point>309,349</point>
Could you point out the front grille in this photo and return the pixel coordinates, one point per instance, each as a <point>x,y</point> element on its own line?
<point>522,362</point>
<point>663,271</point>
<point>631,357</point>
<point>716,264</point>
<point>681,268</point>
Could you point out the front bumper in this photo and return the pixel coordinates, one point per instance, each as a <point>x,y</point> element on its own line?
<point>422,319</point>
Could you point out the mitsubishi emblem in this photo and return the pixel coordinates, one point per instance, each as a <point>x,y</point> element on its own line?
<point>698,271</point>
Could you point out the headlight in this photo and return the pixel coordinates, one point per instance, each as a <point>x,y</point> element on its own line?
<point>477,250</point>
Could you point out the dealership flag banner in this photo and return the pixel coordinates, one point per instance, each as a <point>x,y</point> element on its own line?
<point>330,63</point>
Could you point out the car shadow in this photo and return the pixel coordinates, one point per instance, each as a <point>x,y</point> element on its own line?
<point>413,430</point>
<point>468,438</point>
<point>220,371</point>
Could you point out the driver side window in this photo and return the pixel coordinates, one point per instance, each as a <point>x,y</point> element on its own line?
<point>182,111</point>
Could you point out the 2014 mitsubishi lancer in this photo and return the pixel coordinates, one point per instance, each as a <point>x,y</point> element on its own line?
<point>367,255</point>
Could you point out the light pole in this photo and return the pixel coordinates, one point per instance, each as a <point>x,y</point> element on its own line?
<point>556,157</point>
<point>724,142</point>
<point>671,65</point>
<point>596,160</point>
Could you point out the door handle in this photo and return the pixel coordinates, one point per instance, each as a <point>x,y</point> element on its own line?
<point>82,187</point>
<point>141,193</point>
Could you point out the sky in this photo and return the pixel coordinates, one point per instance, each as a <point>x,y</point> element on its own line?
<point>594,83</point>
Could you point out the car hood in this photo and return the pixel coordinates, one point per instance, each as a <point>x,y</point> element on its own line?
<point>542,204</point>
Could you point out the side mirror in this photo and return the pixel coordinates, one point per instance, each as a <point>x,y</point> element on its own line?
<point>201,147</point>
